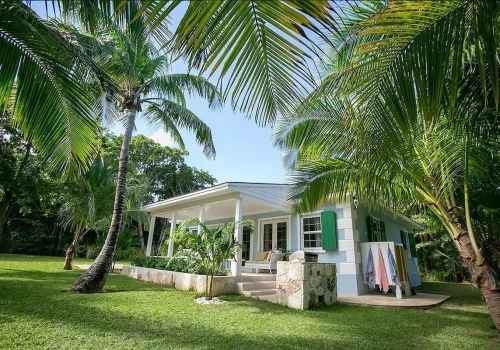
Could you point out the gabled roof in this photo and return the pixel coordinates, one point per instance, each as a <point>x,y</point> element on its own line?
<point>271,193</point>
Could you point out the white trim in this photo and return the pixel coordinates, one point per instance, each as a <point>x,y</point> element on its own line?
<point>173,224</point>
<point>251,238</point>
<point>262,201</point>
<point>348,268</point>
<point>163,212</point>
<point>314,250</point>
<point>288,219</point>
<point>311,214</point>
<point>151,233</point>
<point>186,197</point>
<point>233,188</point>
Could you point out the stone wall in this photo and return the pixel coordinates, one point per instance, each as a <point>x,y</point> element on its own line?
<point>303,285</point>
<point>180,280</point>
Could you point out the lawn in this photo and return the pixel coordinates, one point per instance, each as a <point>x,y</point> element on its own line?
<point>37,312</point>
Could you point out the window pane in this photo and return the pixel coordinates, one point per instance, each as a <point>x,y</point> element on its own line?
<point>245,254</point>
<point>281,235</point>
<point>312,240</point>
<point>268,237</point>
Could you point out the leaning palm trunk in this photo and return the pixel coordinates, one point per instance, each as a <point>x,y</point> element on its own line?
<point>72,249</point>
<point>93,280</point>
<point>71,253</point>
<point>478,269</point>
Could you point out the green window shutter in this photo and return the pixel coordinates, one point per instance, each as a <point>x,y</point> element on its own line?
<point>403,239</point>
<point>413,249</point>
<point>383,237</point>
<point>328,230</point>
<point>369,229</point>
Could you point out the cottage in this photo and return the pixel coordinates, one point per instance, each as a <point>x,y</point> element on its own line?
<point>331,234</point>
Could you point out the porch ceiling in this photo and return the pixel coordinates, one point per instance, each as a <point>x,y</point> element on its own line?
<point>219,202</point>
<point>219,210</point>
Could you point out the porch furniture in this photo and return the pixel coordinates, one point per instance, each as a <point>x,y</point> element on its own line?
<point>264,261</point>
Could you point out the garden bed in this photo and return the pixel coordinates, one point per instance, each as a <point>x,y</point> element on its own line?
<point>181,280</point>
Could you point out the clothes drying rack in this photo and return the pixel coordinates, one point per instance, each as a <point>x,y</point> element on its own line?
<point>401,264</point>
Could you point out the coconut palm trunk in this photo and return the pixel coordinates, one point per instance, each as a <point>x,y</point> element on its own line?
<point>477,267</point>
<point>93,280</point>
<point>71,253</point>
<point>73,248</point>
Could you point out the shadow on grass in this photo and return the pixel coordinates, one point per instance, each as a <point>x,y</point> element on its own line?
<point>242,323</point>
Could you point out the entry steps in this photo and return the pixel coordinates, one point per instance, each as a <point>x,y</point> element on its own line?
<point>262,286</point>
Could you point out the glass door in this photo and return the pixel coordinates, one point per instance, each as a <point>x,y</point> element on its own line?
<point>274,235</point>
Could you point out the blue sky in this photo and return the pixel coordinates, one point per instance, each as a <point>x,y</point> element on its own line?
<point>244,150</point>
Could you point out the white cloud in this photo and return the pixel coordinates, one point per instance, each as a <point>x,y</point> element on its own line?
<point>163,138</point>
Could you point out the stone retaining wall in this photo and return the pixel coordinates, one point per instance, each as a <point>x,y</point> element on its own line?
<point>302,285</point>
<point>180,280</point>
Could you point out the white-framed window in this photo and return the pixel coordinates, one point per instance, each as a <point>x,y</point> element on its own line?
<point>311,231</point>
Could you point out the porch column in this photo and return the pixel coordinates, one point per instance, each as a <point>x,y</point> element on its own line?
<point>150,235</point>
<point>238,237</point>
<point>173,222</point>
<point>200,217</point>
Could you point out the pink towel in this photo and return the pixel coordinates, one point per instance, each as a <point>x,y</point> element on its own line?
<point>382,274</point>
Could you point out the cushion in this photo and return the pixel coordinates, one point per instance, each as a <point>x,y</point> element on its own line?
<point>261,256</point>
<point>257,262</point>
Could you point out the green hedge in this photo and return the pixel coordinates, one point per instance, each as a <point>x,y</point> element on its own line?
<point>179,264</point>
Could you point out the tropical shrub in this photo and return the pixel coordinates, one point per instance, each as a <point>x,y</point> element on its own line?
<point>210,247</point>
<point>151,262</point>
<point>31,237</point>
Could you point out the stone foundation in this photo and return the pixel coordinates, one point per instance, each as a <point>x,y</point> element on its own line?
<point>180,280</point>
<point>303,285</point>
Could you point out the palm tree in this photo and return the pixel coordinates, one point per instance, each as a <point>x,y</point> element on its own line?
<point>211,247</point>
<point>87,203</point>
<point>406,113</point>
<point>136,65</point>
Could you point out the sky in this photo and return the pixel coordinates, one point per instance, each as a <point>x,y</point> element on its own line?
<point>244,151</point>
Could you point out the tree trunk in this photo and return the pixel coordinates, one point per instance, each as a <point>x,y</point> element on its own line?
<point>93,280</point>
<point>211,286</point>
<point>492,299</point>
<point>5,208</point>
<point>479,273</point>
<point>140,232</point>
<point>70,255</point>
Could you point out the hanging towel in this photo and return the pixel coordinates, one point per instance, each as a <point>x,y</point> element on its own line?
<point>381,273</point>
<point>370,270</point>
<point>393,267</point>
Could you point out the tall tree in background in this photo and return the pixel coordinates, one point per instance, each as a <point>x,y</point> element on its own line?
<point>409,112</point>
<point>136,65</point>
<point>85,201</point>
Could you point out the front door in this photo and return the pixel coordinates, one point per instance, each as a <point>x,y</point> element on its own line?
<point>274,235</point>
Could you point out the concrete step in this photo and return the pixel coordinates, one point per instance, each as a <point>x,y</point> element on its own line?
<point>258,293</point>
<point>244,286</point>
<point>257,278</point>
<point>272,298</point>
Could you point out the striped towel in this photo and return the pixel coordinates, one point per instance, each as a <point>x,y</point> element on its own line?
<point>382,274</point>
<point>370,270</point>
<point>393,267</point>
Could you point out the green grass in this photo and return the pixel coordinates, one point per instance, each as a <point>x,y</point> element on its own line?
<point>36,312</point>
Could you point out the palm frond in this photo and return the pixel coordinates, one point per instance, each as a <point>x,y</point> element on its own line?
<point>50,77</point>
<point>173,115</point>
<point>260,49</point>
<point>169,86</point>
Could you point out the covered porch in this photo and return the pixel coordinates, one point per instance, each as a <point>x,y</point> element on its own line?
<point>231,202</point>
